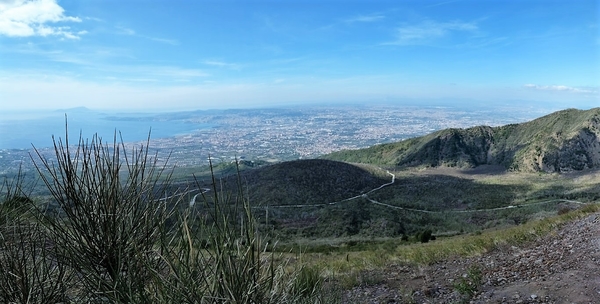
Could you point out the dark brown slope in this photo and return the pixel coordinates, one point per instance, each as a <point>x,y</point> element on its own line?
<point>313,181</point>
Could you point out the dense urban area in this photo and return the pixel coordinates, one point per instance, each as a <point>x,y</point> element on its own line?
<point>293,133</point>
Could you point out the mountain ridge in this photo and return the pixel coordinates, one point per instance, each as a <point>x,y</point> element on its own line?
<point>562,141</point>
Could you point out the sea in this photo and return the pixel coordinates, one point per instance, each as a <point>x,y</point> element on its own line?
<point>24,130</point>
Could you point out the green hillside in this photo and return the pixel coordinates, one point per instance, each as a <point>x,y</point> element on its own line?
<point>563,141</point>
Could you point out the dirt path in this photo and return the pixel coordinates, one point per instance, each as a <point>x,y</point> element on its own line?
<point>561,268</point>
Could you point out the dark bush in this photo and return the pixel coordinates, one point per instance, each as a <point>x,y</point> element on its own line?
<point>425,236</point>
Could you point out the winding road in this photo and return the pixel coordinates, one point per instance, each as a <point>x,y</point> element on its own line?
<point>366,196</point>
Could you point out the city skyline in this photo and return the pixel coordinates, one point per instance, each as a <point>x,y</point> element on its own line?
<point>182,55</point>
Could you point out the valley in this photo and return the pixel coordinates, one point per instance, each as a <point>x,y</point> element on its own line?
<point>398,222</point>
<point>308,201</point>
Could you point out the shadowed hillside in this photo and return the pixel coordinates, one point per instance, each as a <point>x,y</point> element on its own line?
<point>329,199</point>
<point>314,181</point>
<point>563,141</point>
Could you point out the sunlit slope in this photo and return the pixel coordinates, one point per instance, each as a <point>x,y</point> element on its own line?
<point>559,142</point>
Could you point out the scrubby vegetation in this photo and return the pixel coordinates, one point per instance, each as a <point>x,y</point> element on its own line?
<point>119,236</point>
<point>445,201</point>
<point>353,268</point>
<point>468,285</point>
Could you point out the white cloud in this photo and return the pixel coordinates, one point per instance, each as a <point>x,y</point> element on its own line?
<point>130,32</point>
<point>125,31</point>
<point>163,40</point>
<point>24,18</point>
<point>366,18</point>
<point>174,72</point>
<point>222,64</point>
<point>561,88</point>
<point>429,30</point>
<point>442,3</point>
<point>148,72</point>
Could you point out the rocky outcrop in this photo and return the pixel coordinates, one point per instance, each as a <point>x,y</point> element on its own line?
<point>455,148</point>
<point>574,147</point>
<point>563,141</point>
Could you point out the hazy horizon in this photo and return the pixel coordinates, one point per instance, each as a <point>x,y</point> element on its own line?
<point>22,129</point>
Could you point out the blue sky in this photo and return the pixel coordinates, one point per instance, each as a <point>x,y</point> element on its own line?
<point>178,55</point>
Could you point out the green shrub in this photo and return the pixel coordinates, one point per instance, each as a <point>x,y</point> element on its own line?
<point>469,284</point>
<point>29,271</point>
<point>308,281</point>
<point>425,236</point>
<point>111,215</point>
<point>563,210</point>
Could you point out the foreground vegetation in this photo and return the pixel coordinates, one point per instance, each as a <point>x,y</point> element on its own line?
<point>118,237</point>
<point>352,268</point>
<point>118,229</point>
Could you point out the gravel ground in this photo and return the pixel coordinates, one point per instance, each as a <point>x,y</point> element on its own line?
<point>564,267</point>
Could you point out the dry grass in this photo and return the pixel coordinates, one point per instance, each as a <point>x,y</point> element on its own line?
<point>347,265</point>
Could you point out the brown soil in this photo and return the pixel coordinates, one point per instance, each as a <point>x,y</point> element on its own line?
<point>563,267</point>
